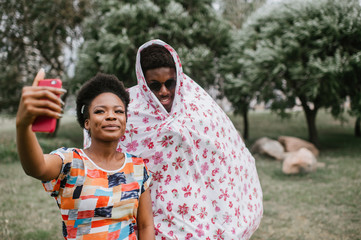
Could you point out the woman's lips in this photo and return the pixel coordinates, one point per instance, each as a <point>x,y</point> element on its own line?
<point>111,127</point>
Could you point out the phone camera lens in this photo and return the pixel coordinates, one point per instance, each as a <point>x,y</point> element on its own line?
<point>53,82</point>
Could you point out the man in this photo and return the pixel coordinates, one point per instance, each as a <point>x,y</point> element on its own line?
<point>205,184</point>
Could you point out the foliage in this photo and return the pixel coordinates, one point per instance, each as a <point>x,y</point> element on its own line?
<point>301,50</point>
<point>239,93</point>
<point>237,90</point>
<point>237,11</point>
<point>33,35</point>
<point>115,30</point>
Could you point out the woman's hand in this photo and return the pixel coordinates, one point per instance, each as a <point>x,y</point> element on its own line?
<point>145,220</point>
<point>38,101</point>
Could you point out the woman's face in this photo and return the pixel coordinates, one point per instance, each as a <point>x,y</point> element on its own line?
<point>162,82</point>
<point>107,119</point>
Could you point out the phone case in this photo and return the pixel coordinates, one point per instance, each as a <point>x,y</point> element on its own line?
<point>42,123</point>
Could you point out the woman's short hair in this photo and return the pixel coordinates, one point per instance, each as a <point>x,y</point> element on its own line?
<point>101,83</point>
<point>155,56</point>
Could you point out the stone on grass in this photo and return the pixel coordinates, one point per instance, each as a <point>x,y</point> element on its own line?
<point>269,147</point>
<point>292,144</point>
<point>301,161</point>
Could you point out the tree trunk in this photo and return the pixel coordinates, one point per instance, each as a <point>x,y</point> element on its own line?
<point>310,115</point>
<point>358,127</point>
<point>311,124</point>
<point>245,123</point>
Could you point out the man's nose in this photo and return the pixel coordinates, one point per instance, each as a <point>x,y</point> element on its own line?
<point>163,90</point>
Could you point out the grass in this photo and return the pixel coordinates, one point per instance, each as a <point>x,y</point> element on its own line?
<point>325,204</point>
<point>26,210</point>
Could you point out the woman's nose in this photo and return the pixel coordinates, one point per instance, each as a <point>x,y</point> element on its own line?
<point>111,115</point>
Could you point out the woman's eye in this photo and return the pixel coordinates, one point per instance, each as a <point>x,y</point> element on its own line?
<point>119,111</point>
<point>98,111</point>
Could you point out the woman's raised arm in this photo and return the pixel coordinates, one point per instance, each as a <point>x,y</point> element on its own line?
<point>32,104</point>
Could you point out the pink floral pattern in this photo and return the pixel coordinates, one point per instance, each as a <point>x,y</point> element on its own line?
<point>205,183</point>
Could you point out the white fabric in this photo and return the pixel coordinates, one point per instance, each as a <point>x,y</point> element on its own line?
<point>205,184</point>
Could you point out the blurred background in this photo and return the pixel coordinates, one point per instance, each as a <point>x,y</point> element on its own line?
<point>277,67</point>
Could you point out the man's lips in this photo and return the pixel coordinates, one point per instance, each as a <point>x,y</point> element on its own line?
<point>165,101</point>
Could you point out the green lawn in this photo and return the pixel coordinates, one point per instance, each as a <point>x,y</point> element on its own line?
<point>26,210</point>
<point>323,205</point>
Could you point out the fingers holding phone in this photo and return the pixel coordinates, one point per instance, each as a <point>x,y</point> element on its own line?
<point>39,76</point>
<point>46,121</point>
<point>40,104</point>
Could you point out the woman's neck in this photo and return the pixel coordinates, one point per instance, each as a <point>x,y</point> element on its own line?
<point>105,155</point>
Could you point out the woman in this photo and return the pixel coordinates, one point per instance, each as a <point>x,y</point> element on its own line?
<point>101,193</point>
<point>205,183</point>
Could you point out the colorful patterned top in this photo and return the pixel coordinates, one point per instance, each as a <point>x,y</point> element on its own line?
<point>97,203</point>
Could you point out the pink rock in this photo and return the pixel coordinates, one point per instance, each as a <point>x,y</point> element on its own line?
<point>302,160</point>
<point>268,147</point>
<point>292,144</point>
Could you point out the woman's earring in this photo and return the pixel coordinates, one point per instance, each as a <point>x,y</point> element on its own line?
<point>88,130</point>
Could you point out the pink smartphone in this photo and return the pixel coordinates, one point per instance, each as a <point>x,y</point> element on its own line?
<point>42,123</point>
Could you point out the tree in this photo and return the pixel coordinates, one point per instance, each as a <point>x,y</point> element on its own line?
<point>115,30</point>
<point>238,91</point>
<point>33,35</point>
<point>353,89</point>
<point>237,11</point>
<point>302,50</point>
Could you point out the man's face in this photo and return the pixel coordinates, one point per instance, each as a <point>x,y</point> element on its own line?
<point>162,82</point>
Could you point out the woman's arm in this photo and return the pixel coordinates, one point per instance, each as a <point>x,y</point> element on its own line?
<point>32,104</point>
<point>145,217</point>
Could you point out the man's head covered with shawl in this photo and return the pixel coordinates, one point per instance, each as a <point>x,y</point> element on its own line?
<point>205,183</point>
<point>159,70</point>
